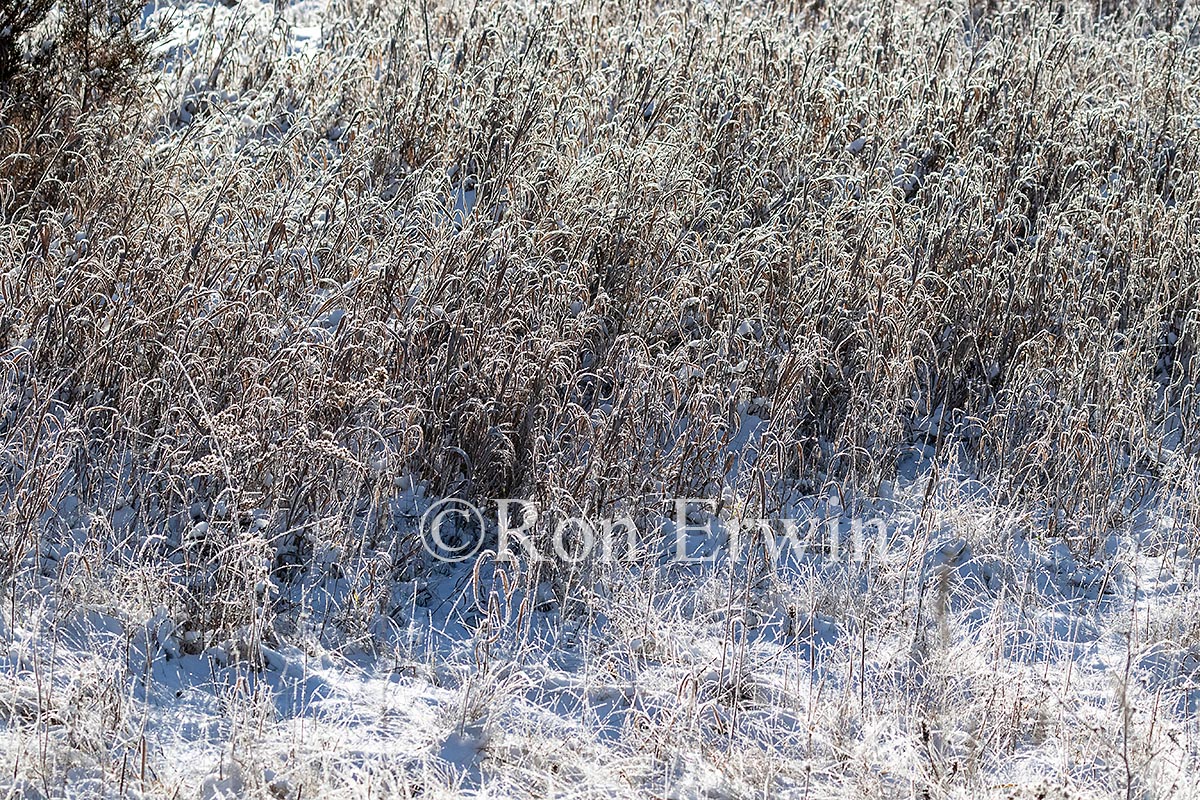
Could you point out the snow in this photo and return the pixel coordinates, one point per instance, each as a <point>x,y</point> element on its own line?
<point>647,676</point>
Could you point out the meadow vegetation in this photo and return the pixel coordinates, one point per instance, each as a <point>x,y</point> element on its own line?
<point>268,273</point>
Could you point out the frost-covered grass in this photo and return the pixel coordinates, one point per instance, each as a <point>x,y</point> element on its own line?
<point>323,264</point>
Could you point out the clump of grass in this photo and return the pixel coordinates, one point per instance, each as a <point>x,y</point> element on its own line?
<point>71,76</point>
<point>862,232</point>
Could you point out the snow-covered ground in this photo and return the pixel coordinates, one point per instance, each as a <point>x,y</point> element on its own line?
<point>969,656</point>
